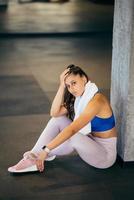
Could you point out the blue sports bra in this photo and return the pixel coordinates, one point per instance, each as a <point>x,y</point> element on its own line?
<point>102,124</point>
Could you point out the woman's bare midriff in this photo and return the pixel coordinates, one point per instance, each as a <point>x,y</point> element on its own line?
<point>105,134</point>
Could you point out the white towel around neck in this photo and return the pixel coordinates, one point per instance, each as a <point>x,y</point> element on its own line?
<point>82,101</point>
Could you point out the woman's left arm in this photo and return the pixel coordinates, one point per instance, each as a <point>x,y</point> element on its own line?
<point>85,117</point>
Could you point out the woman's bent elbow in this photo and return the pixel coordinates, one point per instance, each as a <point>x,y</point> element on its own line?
<point>53,114</point>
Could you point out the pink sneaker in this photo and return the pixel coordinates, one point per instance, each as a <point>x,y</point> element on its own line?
<point>24,165</point>
<point>28,155</point>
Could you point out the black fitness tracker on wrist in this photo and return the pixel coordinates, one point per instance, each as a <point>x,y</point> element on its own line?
<point>46,149</point>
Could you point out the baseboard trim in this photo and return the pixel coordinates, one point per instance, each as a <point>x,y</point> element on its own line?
<point>125,164</point>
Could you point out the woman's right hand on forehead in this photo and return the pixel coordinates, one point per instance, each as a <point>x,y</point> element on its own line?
<point>63,76</point>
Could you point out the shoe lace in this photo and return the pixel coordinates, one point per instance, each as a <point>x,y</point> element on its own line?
<point>31,156</point>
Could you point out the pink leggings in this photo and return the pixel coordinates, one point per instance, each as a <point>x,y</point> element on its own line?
<point>97,152</point>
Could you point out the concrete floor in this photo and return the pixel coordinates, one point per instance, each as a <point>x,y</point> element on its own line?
<point>29,71</point>
<point>46,58</point>
<point>44,17</point>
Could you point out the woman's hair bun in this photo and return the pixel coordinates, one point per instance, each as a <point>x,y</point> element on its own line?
<point>71,66</point>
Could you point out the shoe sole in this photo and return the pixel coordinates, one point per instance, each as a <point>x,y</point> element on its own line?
<point>50,158</point>
<point>28,169</point>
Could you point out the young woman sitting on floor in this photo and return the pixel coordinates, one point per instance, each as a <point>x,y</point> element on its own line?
<point>82,120</point>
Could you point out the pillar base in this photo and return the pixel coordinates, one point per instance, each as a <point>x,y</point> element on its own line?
<point>125,164</point>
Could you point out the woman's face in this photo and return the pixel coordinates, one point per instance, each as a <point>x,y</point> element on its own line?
<point>75,84</point>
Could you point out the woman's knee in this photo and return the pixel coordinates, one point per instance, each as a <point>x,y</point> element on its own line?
<point>60,121</point>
